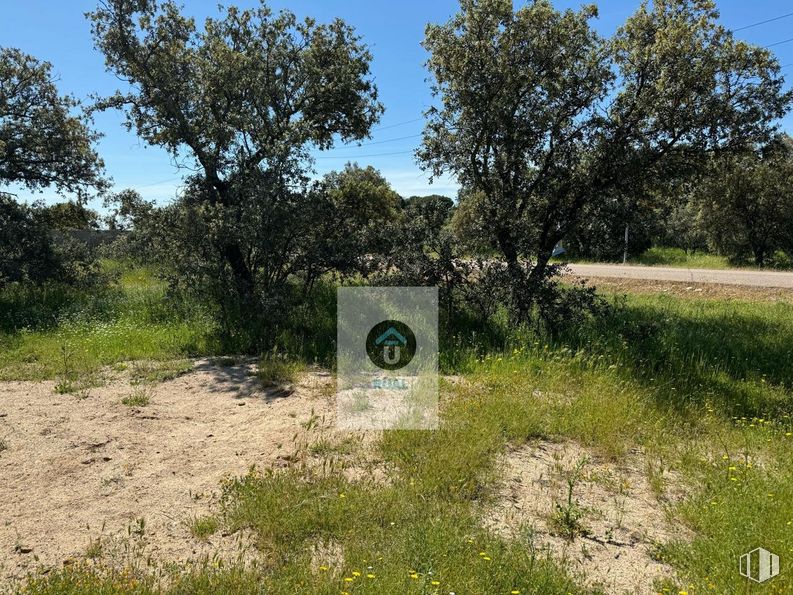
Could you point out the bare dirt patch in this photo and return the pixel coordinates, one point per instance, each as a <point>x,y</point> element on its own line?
<point>693,290</point>
<point>82,477</point>
<point>607,531</point>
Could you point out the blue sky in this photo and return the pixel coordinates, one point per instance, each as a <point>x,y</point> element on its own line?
<point>57,31</point>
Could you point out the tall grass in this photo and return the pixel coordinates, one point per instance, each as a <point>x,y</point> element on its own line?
<point>700,387</point>
<point>132,318</point>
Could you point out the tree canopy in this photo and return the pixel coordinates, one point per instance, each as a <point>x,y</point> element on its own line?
<point>243,99</point>
<point>544,122</point>
<point>43,142</point>
<point>745,202</point>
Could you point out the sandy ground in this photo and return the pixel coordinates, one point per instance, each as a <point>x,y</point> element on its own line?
<point>621,521</point>
<point>81,470</point>
<point>75,470</point>
<point>685,275</point>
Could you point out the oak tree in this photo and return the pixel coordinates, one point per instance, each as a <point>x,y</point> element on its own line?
<point>543,121</point>
<point>240,100</point>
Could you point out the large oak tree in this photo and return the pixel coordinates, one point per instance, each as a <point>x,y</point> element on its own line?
<point>544,121</point>
<point>240,100</point>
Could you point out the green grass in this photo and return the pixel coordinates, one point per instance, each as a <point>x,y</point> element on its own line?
<point>677,257</point>
<point>203,526</point>
<point>148,372</point>
<point>140,397</point>
<point>275,369</point>
<point>659,256</point>
<point>425,518</point>
<point>44,331</point>
<point>702,387</point>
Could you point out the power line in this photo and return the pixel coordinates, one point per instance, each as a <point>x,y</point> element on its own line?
<point>158,183</point>
<point>362,156</point>
<point>380,142</point>
<point>398,124</point>
<point>771,20</point>
<point>770,45</point>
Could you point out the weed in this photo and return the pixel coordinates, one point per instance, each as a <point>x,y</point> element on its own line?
<point>204,526</point>
<point>327,447</point>
<point>313,421</point>
<point>140,397</point>
<point>138,529</point>
<point>158,371</point>
<point>568,514</point>
<point>360,402</point>
<point>94,549</point>
<point>275,369</point>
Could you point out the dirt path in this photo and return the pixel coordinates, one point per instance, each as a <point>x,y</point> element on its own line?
<point>76,469</point>
<point>729,276</point>
<point>614,522</point>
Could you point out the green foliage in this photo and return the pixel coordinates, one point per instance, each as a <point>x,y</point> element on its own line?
<point>677,257</point>
<point>354,214</point>
<point>545,123</point>
<point>422,250</point>
<point>28,254</point>
<point>42,143</point>
<point>245,98</point>
<point>126,320</point>
<point>70,216</point>
<point>669,377</point>
<point>745,204</point>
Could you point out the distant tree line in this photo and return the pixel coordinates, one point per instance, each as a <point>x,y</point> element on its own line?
<point>740,206</point>
<point>555,133</point>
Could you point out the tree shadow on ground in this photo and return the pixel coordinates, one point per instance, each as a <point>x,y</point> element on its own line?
<point>740,361</point>
<point>238,379</point>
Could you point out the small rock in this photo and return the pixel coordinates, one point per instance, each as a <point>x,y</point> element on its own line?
<point>240,404</point>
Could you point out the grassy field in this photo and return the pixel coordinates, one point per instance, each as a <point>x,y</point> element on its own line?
<point>677,257</point>
<point>701,387</point>
<point>56,330</point>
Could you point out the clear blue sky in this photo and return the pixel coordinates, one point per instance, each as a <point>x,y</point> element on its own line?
<point>57,31</point>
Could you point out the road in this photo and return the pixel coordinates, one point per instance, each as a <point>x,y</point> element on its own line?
<point>726,277</point>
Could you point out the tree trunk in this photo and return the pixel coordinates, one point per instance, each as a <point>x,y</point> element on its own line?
<point>759,255</point>
<point>243,277</point>
<point>538,270</point>
<point>519,282</point>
